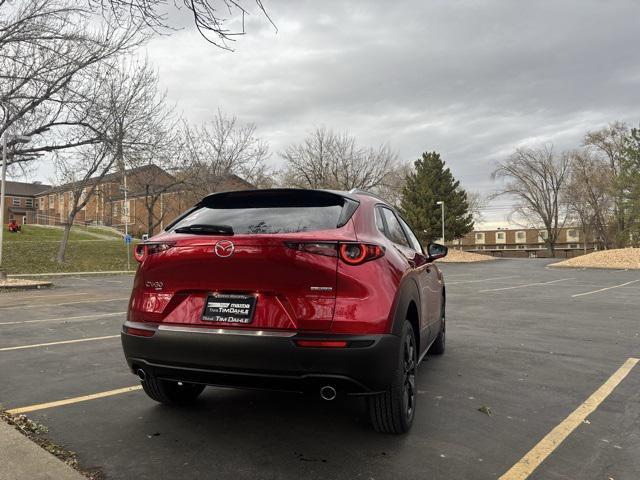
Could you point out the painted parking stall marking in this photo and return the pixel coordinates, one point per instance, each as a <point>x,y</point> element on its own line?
<point>66,303</point>
<point>63,342</point>
<point>536,284</point>
<point>545,447</point>
<point>482,280</point>
<point>605,289</point>
<point>65,319</point>
<point>70,401</point>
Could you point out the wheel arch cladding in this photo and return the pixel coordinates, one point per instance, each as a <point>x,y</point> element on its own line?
<point>407,308</point>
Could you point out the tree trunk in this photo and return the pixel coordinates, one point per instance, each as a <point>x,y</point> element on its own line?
<point>63,244</point>
<point>150,226</point>
<point>551,249</point>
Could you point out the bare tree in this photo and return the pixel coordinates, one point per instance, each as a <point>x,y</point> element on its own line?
<point>216,20</point>
<point>611,143</point>
<point>588,195</point>
<point>80,172</point>
<point>130,117</point>
<point>536,178</point>
<point>221,147</point>
<point>326,159</point>
<point>46,47</point>
<point>477,203</point>
<point>393,184</point>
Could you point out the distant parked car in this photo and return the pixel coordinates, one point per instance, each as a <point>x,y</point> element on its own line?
<point>285,289</point>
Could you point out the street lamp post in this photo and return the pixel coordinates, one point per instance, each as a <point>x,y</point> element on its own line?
<point>2,188</point>
<point>441,203</point>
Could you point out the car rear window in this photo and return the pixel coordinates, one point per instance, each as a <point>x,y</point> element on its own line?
<point>271,211</point>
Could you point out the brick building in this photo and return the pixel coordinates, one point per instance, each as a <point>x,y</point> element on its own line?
<point>20,201</point>
<point>153,195</point>
<point>527,242</point>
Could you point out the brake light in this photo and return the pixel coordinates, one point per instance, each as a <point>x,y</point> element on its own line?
<point>358,253</point>
<point>352,253</point>
<point>143,250</point>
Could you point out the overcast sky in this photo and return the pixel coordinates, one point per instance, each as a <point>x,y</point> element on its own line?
<point>470,79</point>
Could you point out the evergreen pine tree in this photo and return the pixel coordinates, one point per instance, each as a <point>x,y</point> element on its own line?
<point>427,184</point>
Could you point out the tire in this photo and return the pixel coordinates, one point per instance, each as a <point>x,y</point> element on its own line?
<point>437,347</point>
<point>394,410</point>
<point>170,392</point>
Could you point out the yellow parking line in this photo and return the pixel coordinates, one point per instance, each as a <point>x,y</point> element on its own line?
<point>69,401</point>
<point>21,347</point>
<point>555,437</point>
<point>603,289</point>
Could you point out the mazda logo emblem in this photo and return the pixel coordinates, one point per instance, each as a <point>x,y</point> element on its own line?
<point>224,248</point>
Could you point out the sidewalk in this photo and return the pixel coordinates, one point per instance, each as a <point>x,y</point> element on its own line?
<point>21,459</point>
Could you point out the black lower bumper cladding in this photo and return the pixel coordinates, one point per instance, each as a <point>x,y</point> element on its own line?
<point>365,365</point>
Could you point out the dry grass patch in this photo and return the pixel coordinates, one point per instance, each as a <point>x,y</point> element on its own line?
<point>458,256</point>
<point>621,258</point>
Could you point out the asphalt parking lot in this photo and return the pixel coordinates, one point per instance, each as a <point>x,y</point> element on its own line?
<point>528,343</point>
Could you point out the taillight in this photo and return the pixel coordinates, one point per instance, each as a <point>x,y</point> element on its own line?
<point>328,249</point>
<point>143,250</point>
<point>357,253</point>
<point>351,253</point>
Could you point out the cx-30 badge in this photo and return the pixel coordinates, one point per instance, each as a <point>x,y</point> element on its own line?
<point>224,248</point>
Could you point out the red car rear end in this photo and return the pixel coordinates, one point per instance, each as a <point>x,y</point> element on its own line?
<point>298,290</point>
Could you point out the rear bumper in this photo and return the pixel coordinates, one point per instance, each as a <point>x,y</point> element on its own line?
<point>365,366</point>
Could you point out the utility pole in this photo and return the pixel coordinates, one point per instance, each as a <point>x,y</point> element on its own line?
<point>126,220</point>
<point>4,174</point>
<point>441,203</point>
<point>2,189</point>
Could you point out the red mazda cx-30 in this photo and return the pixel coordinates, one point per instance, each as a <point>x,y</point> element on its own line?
<point>298,290</point>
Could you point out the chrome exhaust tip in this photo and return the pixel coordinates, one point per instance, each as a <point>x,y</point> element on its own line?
<point>328,393</point>
<point>142,375</point>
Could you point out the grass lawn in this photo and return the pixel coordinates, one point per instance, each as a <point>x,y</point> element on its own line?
<point>36,233</point>
<point>35,249</point>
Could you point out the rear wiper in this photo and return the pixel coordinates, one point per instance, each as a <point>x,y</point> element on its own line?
<point>204,229</point>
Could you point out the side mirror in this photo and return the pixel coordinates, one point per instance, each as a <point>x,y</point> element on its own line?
<point>436,251</point>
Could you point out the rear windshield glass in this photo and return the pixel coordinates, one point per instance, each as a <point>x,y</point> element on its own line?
<point>268,212</point>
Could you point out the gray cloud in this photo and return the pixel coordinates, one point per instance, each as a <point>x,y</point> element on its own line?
<point>472,80</point>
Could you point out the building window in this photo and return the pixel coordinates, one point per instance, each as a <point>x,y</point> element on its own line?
<point>28,202</point>
<point>41,203</point>
<point>16,202</point>
<point>501,237</point>
<point>543,235</point>
<point>479,237</point>
<point>500,247</point>
<point>574,245</point>
<point>572,235</point>
<point>52,200</point>
<point>521,247</point>
<point>521,237</point>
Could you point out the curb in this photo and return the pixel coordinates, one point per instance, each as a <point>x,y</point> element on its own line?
<point>22,458</point>
<point>69,274</point>
<point>31,286</point>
